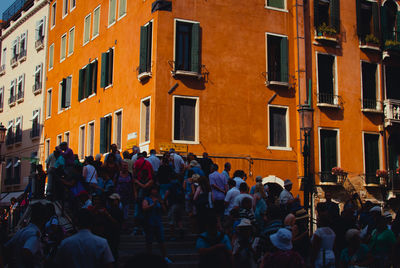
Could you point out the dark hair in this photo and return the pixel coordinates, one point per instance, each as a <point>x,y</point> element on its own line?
<point>152,151</point>
<point>227,164</point>
<point>204,184</point>
<point>243,187</point>
<point>84,219</point>
<point>239,173</point>
<point>232,183</point>
<point>126,154</point>
<point>145,260</point>
<point>89,159</point>
<point>215,167</point>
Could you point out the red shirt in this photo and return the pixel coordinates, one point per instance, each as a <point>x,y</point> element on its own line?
<point>142,164</point>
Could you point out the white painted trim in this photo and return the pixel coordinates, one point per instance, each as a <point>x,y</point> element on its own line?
<point>287,147</point>
<point>51,67</point>
<point>47,147</point>
<point>53,15</point>
<point>70,7</point>
<point>379,149</point>
<point>67,133</point>
<point>109,13</point>
<point>174,43</point>
<point>115,128</point>
<point>99,8</point>
<point>47,103</point>
<point>73,43</point>
<point>119,7</point>
<point>266,49</point>
<point>84,141</point>
<point>141,142</point>
<point>84,28</point>
<point>59,138</point>
<point>335,78</point>
<point>197,119</point>
<point>275,8</point>
<point>398,6</point>
<point>66,47</point>
<point>65,4</point>
<point>94,136</point>
<point>337,146</point>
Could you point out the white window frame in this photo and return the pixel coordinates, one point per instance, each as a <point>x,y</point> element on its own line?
<point>59,139</point>
<point>98,33</point>
<point>53,11</point>
<point>114,139</point>
<point>70,5</point>
<point>84,28</point>
<point>119,8</point>
<point>49,102</point>
<point>88,137</point>
<point>377,86</point>
<point>46,148</point>
<point>21,80</point>
<point>23,38</point>
<point>336,84</point>
<point>112,84</point>
<point>266,47</point>
<point>13,87</point>
<point>51,59</point>
<point>39,69</point>
<point>287,118</point>
<point>175,24</point>
<point>65,8</point>
<point>197,119</point>
<point>275,8</point>
<point>109,13</point>
<point>379,149</point>
<point>60,109</point>
<point>337,146</point>
<point>67,134</point>
<point>61,47</point>
<point>142,131</point>
<point>69,41</point>
<point>41,26</point>
<point>80,145</point>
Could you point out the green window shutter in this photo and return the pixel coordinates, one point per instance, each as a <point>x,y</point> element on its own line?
<point>104,72</point>
<point>276,3</point>
<point>359,21</point>
<point>328,150</point>
<point>371,151</point>
<point>284,60</point>
<point>110,66</point>
<point>316,14</point>
<point>63,92</point>
<point>88,87</point>
<point>375,19</point>
<point>398,26</point>
<point>94,74</point>
<point>108,129</point>
<point>103,132</point>
<point>81,84</point>
<point>195,51</point>
<point>384,24</point>
<point>68,88</point>
<point>143,49</point>
<point>335,14</point>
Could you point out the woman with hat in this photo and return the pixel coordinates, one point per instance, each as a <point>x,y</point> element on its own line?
<point>301,238</point>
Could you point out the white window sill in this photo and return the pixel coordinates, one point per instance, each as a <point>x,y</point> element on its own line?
<point>85,43</point>
<point>123,16</point>
<point>185,142</point>
<point>110,25</point>
<point>63,16</point>
<point>72,9</point>
<point>52,27</point>
<point>144,143</point>
<point>107,87</point>
<point>51,68</point>
<point>48,117</point>
<point>144,75</point>
<point>94,37</point>
<point>61,60</point>
<point>279,148</point>
<point>70,54</point>
<point>277,9</point>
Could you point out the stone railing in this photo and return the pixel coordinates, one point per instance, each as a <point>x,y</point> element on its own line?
<point>392,112</point>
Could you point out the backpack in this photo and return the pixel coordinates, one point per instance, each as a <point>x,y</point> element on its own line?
<point>177,194</point>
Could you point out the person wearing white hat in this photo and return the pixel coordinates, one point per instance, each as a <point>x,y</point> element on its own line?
<point>283,256</point>
<point>286,197</point>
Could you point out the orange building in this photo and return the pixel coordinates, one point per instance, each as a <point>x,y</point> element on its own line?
<point>212,76</point>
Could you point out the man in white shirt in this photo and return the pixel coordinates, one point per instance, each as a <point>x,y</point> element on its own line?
<point>239,176</point>
<point>286,197</point>
<point>84,249</point>
<point>230,196</point>
<point>244,193</point>
<point>178,161</point>
<point>154,161</point>
<point>135,152</point>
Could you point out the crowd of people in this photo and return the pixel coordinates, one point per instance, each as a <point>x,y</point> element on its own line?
<point>237,225</point>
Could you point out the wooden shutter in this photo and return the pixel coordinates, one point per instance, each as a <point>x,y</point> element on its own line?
<point>398,26</point>
<point>375,19</point>
<point>108,132</point>
<point>143,49</point>
<point>68,88</point>
<point>81,84</point>
<point>94,77</point>
<point>359,20</point>
<point>335,14</point>
<point>384,24</point>
<point>284,60</point>
<point>195,50</point>
<point>371,152</point>
<point>104,72</point>
<point>328,150</point>
<point>63,92</point>
<point>316,14</point>
<point>103,148</point>
<point>88,86</point>
<point>110,65</point>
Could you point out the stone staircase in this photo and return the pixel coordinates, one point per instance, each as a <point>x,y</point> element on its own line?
<point>182,252</point>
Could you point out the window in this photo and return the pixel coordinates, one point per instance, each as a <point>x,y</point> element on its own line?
<point>186,113</point>
<point>369,85</point>
<point>278,127</point>
<point>368,21</point>
<point>121,8</point>
<point>90,138</point>
<point>22,45</point>
<point>18,129</point>
<point>59,139</point>
<point>96,22</point>
<point>12,98</point>
<point>63,52</point>
<point>145,120</point>
<point>3,58</point>
<point>71,41</point>
<point>86,31</point>
<point>1,98</point>
<point>38,77</point>
<point>21,87</point>
<point>15,50</point>
<point>65,8</point>
<point>278,65</point>
<point>392,81</point>
<point>10,133</point>
<point>87,80</point>
<point>328,153</point>
<point>81,150</point>
<point>146,33</point>
<point>371,157</point>
<point>34,160</point>
<point>51,57</point>
<point>53,14</point>
<point>40,29</point>
<point>49,102</point>
<point>107,68</point>
<point>112,10</point>
<point>187,47</point>
<point>65,93</point>
<point>277,3</point>
<point>105,134</point>
<point>118,129</point>
<point>9,172</point>
<point>66,137</point>
<point>17,170</point>
<point>327,79</point>
<point>326,14</point>
<point>73,4</point>
<point>35,132</point>
<point>47,149</point>
<point>390,22</point>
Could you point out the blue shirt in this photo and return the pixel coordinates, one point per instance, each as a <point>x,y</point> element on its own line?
<point>220,181</point>
<point>196,170</point>
<point>154,161</point>
<point>203,243</point>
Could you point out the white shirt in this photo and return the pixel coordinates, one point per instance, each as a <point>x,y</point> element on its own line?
<point>229,198</point>
<point>238,181</point>
<point>178,162</point>
<point>285,196</point>
<point>91,174</point>
<point>238,199</point>
<point>84,249</point>
<point>134,158</point>
<point>154,161</point>
<point>27,238</point>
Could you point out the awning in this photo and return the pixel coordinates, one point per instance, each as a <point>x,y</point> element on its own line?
<point>6,197</point>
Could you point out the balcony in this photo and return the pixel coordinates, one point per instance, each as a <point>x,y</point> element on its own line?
<point>371,180</point>
<point>327,35</point>
<point>2,69</point>
<point>177,71</point>
<point>22,55</point>
<point>35,132</point>
<point>11,100</point>
<point>14,61</point>
<point>276,78</point>
<point>37,88</point>
<point>39,44</point>
<point>20,96</point>
<point>394,181</point>
<point>371,106</point>
<point>327,178</point>
<point>328,100</point>
<point>392,112</point>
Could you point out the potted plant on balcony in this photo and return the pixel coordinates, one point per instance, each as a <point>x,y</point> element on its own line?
<point>382,175</point>
<point>326,30</point>
<point>340,174</point>
<point>389,44</point>
<point>371,40</point>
